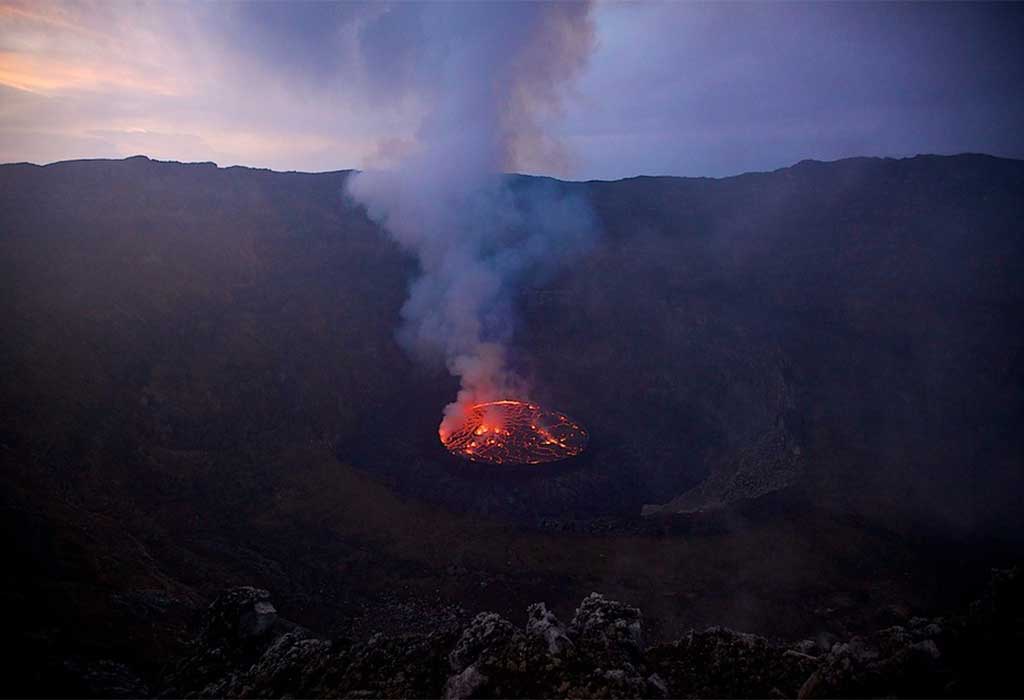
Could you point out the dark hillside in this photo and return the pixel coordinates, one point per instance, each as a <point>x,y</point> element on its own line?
<point>804,390</point>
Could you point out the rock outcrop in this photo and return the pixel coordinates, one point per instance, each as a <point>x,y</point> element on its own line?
<point>246,650</point>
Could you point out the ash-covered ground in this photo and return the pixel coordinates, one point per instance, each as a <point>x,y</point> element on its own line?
<point>802,390</point>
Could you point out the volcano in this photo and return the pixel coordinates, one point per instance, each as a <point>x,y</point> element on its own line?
<point>515,432</point>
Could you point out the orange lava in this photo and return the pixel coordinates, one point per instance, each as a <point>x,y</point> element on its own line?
<point>515,432</point>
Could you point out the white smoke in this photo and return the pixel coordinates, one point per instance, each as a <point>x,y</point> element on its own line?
<point>488,78</point>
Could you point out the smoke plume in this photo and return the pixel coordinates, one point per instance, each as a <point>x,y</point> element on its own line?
<point>487,78</point>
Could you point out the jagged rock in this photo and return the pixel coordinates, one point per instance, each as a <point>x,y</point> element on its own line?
<point>895,661</point>
<point>486,632</point>
<point>240,624</point>
<point>542,622</point>
<point>608,638</point>
<point>465,684</point>
<point>239,615</point>
<point>413,665</point>
<point>245,650</point>
<point>719,662</point>
<point>493,659</point>
<point>105,678</point>
<point>599,655</point>
<point>287,667</point>
<point>657,685</point>
<point>605,624</point>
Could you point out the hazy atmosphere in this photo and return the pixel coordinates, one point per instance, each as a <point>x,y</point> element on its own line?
<point>668,88</point>
<point>512,349</point>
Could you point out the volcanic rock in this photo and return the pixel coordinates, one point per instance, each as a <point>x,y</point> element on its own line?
<point>105,678</point>
<point>240,617</point>
<point>543,623</point>
<point>605,626</point>
<point>601,654</point>
<point>487,632</point>
<point>720,662</point>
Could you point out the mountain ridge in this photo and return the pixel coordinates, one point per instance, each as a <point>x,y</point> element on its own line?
<point>801,163</point>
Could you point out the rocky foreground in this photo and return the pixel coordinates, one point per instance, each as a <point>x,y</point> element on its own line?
<point>247,650</point>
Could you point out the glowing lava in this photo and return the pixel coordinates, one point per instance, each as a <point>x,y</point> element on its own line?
<point>515,432</point>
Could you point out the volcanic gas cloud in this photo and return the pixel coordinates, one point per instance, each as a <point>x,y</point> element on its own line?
<point>488,79</point>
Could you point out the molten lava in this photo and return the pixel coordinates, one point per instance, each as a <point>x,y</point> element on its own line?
<point>515,432</point>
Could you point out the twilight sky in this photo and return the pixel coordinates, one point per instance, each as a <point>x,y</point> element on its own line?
<point>669,88</point>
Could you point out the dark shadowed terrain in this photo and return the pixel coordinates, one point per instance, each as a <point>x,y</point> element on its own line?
<point>803,389</point>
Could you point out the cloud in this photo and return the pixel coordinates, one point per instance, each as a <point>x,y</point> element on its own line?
<point>489,78</point>
<point>722,88</point>
<point>680,88</point>
<point>214,80</point>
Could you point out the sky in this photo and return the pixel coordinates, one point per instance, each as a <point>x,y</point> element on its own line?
<point>667,88</point>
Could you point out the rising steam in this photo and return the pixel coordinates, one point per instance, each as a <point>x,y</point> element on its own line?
<point>488,77</point>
